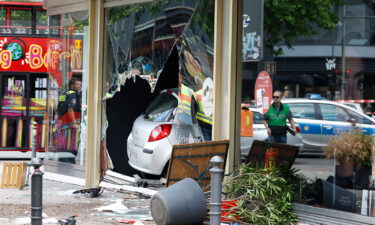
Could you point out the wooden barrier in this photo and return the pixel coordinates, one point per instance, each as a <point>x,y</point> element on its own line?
<point>272,155</point>
<point>193,160</point>
<point>14,175</point>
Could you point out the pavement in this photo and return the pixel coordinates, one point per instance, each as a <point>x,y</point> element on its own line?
<point>118,204</point>
<point>121,201</point>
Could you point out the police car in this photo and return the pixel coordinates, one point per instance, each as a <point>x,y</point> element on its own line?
<point>320,120</point>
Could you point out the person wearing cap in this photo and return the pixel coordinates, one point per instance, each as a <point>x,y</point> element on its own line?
<point>275,119</point>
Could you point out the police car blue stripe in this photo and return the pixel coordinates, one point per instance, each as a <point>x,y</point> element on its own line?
<point>308,128</point>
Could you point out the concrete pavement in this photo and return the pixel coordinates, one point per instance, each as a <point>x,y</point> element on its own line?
<point>59,202</point>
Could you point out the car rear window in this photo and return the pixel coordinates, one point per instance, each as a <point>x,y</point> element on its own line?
<point>161,109</point>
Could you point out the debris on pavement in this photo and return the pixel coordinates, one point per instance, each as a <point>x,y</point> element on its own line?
<point>134,222</point>
<point>93,192</point>
<point>145,191</point>
<point>59,202</point>
<point>70,221</point>
<point>116,207</point>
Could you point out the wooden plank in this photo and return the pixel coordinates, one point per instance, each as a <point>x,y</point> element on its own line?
<point>13,179</point>
<point>193,160</point>
<point>4,174</point>
<point>9,174</point>
<point>22,176</point>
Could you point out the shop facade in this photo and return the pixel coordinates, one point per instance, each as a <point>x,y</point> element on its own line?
<point>130,55</point>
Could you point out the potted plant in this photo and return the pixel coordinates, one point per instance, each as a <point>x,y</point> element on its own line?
<point>352,150</point>
<point>261,195</point>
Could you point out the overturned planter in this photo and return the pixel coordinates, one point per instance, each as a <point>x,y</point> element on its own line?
<point>180,204</point>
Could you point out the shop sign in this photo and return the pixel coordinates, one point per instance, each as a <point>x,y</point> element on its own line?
<point>22,54</point>
<point>263,91</point>
<point>27,54</point>
<point>330,64</point>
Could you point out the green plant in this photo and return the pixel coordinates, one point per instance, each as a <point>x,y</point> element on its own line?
<point>285,20</point>
<point>264,196</point>
<point>353,146</point>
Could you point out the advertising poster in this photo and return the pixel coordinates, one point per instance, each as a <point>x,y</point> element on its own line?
<point>252,30</point>
<point>263,91</point>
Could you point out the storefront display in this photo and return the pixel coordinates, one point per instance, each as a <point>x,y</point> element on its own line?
<point>65,62</point>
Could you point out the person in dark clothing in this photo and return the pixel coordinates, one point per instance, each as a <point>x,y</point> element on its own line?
<point>69,115</point>
<point>275,119</point>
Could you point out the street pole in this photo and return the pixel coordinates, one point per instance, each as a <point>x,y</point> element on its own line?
<point>36,183</point>
<point>343,70</point>
<point>216,186</point>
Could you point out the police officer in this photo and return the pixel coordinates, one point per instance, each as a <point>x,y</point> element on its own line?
<point>69,111</point>
<point>275,119</point>
<point>70,104</point>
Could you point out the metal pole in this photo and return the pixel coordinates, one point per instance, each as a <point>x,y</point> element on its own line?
<point>343,82</point>
<point>36,185</point>
<point>33,141</point>
<point>216,185</point>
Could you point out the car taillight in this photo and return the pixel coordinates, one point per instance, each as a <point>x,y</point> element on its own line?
<point>298,129</point>
<point>160,132</point>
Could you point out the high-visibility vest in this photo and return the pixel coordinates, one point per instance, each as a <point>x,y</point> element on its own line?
<point>185,100</point>
<point>200,114</point>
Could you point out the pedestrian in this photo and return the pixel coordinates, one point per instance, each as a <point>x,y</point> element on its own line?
<point>275,119</point>
<point>69,115</point>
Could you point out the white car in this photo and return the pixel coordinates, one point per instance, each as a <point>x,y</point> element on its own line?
<point>260,133</point>
<point>149,145</point>
<point>320,120</point>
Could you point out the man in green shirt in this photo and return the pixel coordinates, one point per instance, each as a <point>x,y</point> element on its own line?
<point>275,119</point>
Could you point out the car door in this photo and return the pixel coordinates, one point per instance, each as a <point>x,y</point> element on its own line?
<point>304,114</point>
<point>335,120</point>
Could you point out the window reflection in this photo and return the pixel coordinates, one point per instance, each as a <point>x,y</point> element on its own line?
<point>20,18</point>
<point>66,89</point>
<point>320,76</point>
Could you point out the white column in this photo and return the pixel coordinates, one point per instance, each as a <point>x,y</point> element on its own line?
<point>94,92</point>
<point>228,76</point>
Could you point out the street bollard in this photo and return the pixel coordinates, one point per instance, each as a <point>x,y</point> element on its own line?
<point>36,185</point>
<point>216,185</point>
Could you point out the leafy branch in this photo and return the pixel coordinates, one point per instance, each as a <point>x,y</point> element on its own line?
<point>288,19</point>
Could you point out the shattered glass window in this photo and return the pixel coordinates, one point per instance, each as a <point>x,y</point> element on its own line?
<point>165,45</point>
<point>162,108</point>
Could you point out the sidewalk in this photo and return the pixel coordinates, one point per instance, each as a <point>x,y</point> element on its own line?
<point>59,202</point>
